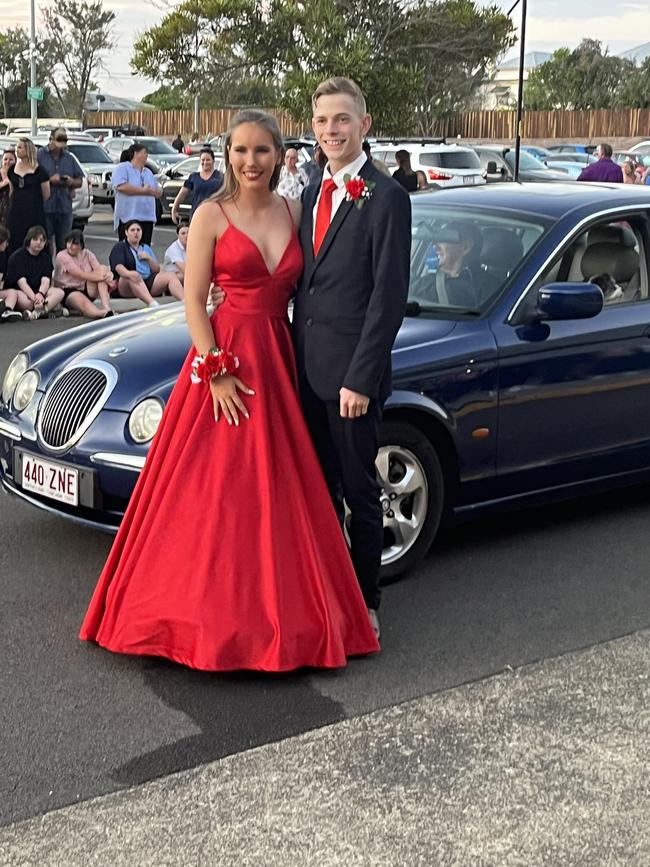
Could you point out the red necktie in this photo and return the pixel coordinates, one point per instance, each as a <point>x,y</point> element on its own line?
<point>323,213</point>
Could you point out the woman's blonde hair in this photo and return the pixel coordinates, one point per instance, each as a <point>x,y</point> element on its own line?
<point>230,186</point>
<point>30,147</point>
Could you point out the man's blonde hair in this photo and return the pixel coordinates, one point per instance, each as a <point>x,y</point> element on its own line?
<point>339,84</point>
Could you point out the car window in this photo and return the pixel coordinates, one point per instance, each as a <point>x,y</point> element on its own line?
<point>157,146</point>
<point>527,162</point>
<point>88,153</point>
<point>610,253</point>
<point>389,159</point>
<point>451,159</point>
<point>463,259</point>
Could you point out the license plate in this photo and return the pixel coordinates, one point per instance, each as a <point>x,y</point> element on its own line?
<point>468,179</point>
<point>50,480</point>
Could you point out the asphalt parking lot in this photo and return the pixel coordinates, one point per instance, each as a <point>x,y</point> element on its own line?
<point>492,596</point>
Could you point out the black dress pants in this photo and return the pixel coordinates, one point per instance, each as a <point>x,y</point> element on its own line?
<point>347,450</point>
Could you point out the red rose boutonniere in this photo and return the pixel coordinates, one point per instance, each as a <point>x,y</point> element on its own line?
<point>357,190</point>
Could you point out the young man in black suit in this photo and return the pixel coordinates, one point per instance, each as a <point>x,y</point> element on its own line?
<point>356,239</point>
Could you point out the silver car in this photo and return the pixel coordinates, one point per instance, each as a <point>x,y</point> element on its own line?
<point>98,166</point>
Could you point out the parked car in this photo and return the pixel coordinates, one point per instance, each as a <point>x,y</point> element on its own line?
<point>444,165</point>
<point>641,147</point>
<point>498,162</point>
<point>571,169</point>
<point>172,181</point>
<point>572,148</point>
<point>521,383</point>
<point>581,159</point>
<point>537,151</point>
<point>98,166</point>
<point>162,153</point>
<point>105,132</point>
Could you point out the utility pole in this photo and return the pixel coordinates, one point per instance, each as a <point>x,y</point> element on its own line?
<point>520,91</point>
<point>32,63</point>
<point>196,114</point>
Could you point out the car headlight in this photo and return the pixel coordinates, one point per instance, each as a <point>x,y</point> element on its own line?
<point>25,390</point>
<point>144,420</point>
<point>14,372</point>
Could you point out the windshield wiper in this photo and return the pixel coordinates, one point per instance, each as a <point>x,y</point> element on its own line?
<point>414,308</point>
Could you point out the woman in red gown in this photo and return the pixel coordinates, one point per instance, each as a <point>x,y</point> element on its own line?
<point>230,555</point>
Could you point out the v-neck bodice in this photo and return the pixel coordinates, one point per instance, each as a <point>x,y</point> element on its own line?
<point>240,269</point>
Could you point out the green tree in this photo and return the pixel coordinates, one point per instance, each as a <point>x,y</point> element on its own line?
<point>416,61</point>
<point>15,73</point>
<point>77,35</point>
<point>636,90</point>
<point>582,79</point>
<point>196,49</point>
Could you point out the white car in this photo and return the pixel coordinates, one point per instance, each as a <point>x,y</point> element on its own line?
<point>444,165</point>
<point>641,147</point>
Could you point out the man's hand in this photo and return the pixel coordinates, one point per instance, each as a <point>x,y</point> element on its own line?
<point>216,296</point>
<point>55,179</point>
<point>156,192</point>
<point>352,403</point>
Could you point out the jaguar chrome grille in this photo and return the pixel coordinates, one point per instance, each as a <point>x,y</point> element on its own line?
<point>72,402</point>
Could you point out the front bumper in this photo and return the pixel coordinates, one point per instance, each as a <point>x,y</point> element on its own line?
<point>107,466</point>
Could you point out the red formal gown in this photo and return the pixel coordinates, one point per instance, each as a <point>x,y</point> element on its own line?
<point>230,555</point>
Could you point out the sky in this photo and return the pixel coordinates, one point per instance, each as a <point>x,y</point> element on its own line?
<point>550,24</point>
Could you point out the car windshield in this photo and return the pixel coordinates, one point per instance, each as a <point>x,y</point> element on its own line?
<point>451,159</point>
<point>89,153</point>
<point>527,162</point>
<point>157,146</point>
<point>462,258</point>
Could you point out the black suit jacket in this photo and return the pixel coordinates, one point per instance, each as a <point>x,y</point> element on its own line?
<point>350,300</point>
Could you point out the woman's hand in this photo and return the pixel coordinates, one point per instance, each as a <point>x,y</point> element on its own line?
<point>39,300</point>
<point>226,398</point>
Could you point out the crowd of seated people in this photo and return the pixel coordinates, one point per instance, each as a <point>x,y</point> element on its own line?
<point>32,286</point>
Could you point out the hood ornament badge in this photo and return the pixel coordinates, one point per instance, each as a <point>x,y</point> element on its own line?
<point>118,350</point>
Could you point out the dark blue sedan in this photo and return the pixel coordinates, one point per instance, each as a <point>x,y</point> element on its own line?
<point>521,371</point>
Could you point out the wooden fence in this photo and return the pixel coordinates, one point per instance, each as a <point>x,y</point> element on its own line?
<point>564,125</point>
<point>168,123</point>
<point>495,125</point>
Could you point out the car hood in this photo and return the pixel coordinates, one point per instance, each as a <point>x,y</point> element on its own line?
<point>147,355</point>
<point>149,351</point>
<point>98,168</point>
<point>168,159</point>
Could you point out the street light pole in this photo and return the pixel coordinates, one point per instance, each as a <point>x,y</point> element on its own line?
<point>32,58</point>
<point>520,91</point>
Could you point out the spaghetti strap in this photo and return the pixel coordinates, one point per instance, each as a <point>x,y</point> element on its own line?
<point>284,199</point>
<point>223,211</point>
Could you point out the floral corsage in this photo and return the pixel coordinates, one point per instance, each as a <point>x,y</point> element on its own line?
<point>218,362</point>
<point>357,189</point>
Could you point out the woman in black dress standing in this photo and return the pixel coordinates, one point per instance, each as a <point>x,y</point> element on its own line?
<point>30,190</point>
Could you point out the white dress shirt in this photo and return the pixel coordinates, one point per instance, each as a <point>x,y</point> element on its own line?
<point>338,196</point>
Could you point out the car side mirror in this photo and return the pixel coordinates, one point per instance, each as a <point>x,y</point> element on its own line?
<point>492,168</point>
<point>557,301</point>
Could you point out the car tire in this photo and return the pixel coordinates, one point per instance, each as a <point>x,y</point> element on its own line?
<point>409,455</point>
